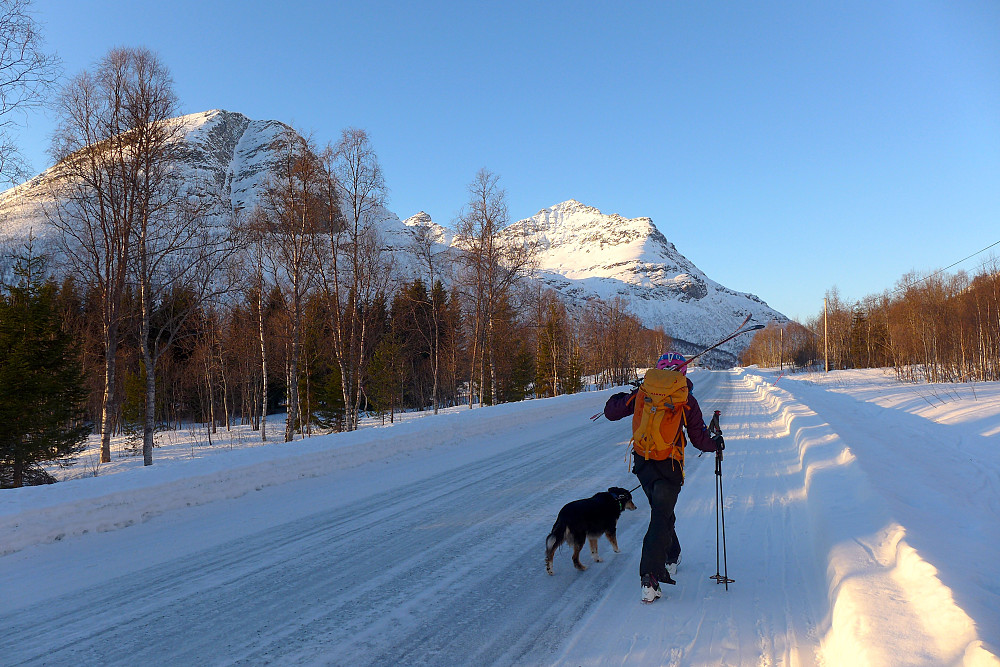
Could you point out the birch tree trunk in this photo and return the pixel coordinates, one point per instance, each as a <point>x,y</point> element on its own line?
<point>108,404</point>
<point>149,413</point>
<point>263,366</point>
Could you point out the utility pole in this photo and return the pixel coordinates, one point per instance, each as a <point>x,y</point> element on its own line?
<point>781,349</point>
<point>826,340</point>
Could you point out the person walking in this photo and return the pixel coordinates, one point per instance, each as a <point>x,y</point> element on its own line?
<point>662,407</point>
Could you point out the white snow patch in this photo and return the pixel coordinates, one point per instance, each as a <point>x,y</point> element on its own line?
<point>861,519</point>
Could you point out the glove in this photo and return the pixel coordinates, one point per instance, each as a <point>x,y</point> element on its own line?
<point>720,444</point>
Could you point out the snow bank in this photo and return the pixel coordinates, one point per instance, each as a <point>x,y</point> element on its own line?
<point>885,599</point>
<point>34,515</point>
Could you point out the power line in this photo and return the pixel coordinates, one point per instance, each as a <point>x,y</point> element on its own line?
<point>940,271</point>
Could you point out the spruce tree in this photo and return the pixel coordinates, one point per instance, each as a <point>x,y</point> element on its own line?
<point>41,388</point>
<point>387,376</point>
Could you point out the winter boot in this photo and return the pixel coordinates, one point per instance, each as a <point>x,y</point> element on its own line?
<point>650,588</point>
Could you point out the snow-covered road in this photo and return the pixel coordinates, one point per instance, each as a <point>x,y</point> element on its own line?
<point>391,563</point>
<point>435,555</point>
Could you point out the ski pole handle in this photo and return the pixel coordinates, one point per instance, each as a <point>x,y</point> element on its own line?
<point>715,431</point>
<point>713,427</point>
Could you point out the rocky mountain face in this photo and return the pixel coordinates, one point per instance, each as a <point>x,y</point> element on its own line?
<point>584,253</point>
<point>221,151</point>
<point>232,152</point>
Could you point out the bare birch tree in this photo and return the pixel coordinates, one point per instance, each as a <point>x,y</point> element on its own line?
<point>256,257</point>
<point>182,265</point>
<point>293,208</point>
<point>492,265</point>
<point>356,270</point>
<point>426,250</point>
<point>111,144</point>
<point>27,75</point>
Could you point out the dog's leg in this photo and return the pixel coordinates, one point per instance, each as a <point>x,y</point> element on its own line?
<point>613,538</point>
<point>577,545</point>
<point>593,549</point>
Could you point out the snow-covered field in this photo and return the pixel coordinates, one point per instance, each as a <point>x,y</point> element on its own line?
<point>862,524</point>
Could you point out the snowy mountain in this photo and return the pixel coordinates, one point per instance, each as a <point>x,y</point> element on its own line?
<point>231,151</point>
<point>584,252</point>
<point>221,151</point>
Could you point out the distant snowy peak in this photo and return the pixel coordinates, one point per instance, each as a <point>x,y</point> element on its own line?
<point>584,253</point>
<point>572,215</point>
<point>220,151</point>
<point>571,223</point>
<point>422,221</point>
<point>578,241</point>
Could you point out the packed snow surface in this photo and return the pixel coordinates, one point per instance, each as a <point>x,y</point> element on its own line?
<point>862,525</point>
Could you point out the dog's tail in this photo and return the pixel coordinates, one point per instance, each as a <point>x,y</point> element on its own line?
<point>556,537</point>
<point>552,542</point>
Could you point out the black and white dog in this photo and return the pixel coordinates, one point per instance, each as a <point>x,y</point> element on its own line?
<point>587,519</point>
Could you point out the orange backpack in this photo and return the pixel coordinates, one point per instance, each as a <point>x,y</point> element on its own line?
<point>659,415</point>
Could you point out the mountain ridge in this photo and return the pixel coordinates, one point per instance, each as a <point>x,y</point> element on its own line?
<point>586,253</point>
<point>583,252</point>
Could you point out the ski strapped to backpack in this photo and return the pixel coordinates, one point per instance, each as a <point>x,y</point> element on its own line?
<point>742,329</point>
<point>658,416</point>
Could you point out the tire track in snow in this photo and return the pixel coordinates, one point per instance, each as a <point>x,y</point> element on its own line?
<point>448,569</point>
<point>396,574</point>
<point>698,621</point>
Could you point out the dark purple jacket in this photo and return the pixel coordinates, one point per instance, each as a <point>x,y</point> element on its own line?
<point>622,405</point>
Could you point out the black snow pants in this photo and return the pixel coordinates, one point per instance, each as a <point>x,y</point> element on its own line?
<point>661,482</point>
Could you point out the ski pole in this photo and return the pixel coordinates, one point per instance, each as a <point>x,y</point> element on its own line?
<point>720,511</point>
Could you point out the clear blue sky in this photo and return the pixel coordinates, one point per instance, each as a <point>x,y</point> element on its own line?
<point>784,147</point>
